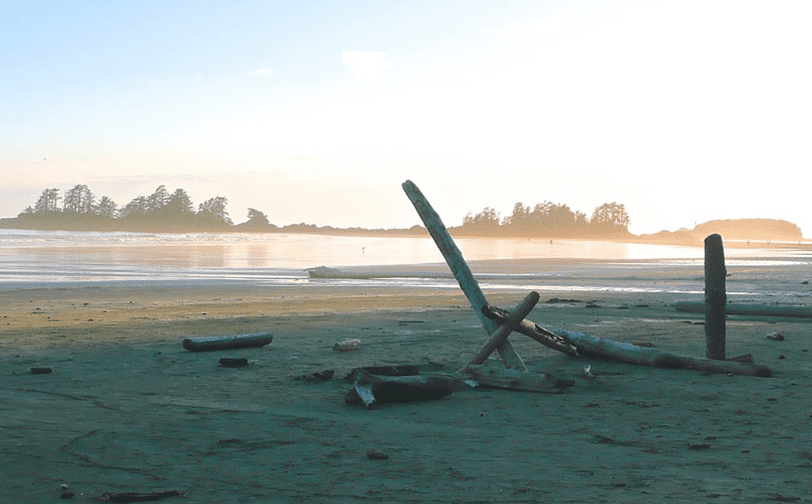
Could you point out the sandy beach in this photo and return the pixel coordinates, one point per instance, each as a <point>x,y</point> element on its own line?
<point>127,409</point>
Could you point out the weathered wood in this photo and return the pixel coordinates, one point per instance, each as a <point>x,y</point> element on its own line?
<point>460,269</point>
<point>371,389</point>
<point>749,309</point>
<point>533,330</point>
<point>599,348</point>
<point>140,497</point>
<point>508,326</point>
<point>212,343</point>
<point>512,379</point>
<point>715,297</point>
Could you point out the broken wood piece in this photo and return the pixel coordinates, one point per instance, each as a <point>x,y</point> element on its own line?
<point>512,379</point>
<point>371,389</point>
<point>533,330</point>
<point>749,309</point>
<point>592,346</point>
<point>460,269</point>
<point>139,497</point>
<point>499,336</point>
<point>233,363</point>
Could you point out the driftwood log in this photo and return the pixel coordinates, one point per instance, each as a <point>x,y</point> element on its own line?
<point>460,269</point>
<point>600,348</point>
<point>749,309</point>
<point>512,379</point>
<point>139,497</point>
<point>230,342</point>
<point>591,346</point>
<point>372,389</point>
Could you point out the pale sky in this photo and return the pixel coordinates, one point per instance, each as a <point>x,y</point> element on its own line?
<point>316,112</point>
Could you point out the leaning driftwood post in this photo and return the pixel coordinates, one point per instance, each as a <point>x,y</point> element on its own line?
<point>460,269</point>
<point>500,336</point>
<point>715,297</point>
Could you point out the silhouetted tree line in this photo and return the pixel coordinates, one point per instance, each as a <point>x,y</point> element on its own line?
<point>549,219</point>
<point>79,208</point>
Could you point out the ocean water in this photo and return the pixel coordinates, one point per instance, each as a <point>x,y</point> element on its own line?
<point>60,258</point>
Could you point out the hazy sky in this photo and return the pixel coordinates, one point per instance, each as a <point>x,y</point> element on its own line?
<point>316,112</point>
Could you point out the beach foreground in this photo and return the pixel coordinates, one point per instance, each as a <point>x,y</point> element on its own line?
<point>127,409</point>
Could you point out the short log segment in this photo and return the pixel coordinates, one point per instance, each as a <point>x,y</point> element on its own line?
<point>715,297</point>
<point>599,348</point>
<point>454,259</point>
<point>499,336</point>
<point>371,389</point>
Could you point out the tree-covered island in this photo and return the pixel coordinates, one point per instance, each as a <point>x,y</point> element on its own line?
<point>79,209</point>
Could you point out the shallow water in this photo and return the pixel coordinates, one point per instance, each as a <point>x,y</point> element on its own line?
<point>61,258</point>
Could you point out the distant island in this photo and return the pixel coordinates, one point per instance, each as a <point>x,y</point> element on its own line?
<point>164,212</point>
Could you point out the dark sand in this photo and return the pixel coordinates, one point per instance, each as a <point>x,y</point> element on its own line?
<point>127,409</point>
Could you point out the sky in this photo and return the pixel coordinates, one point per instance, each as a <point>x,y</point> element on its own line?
<point>316,111</point>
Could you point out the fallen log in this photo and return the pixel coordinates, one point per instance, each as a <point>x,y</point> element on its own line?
<point>749,309</point>
<point>371,389</point>
<point>212,343</point>
<point>139,497</point>
<point>460,269</point>
<point>513,379</point>
<point>600,348</point>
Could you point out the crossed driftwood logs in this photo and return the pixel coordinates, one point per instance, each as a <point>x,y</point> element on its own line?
<point>500,324</point>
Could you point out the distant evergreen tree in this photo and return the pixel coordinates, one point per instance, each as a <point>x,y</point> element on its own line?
<point>257,218</point>
<point>47,202</point>
<point>486,222</point>
<point>158,200</point>
<point>106,207</point>
<point>180,204</point>
<point>214,210</point>
<point>134,209</point>
<point>610,215</point>
<point>79,200</point>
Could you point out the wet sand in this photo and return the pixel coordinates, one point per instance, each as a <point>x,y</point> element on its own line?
<point>127,409</point>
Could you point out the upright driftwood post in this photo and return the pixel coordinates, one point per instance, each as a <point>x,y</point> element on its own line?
<point>453,257</point>
<point>715,297</point>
